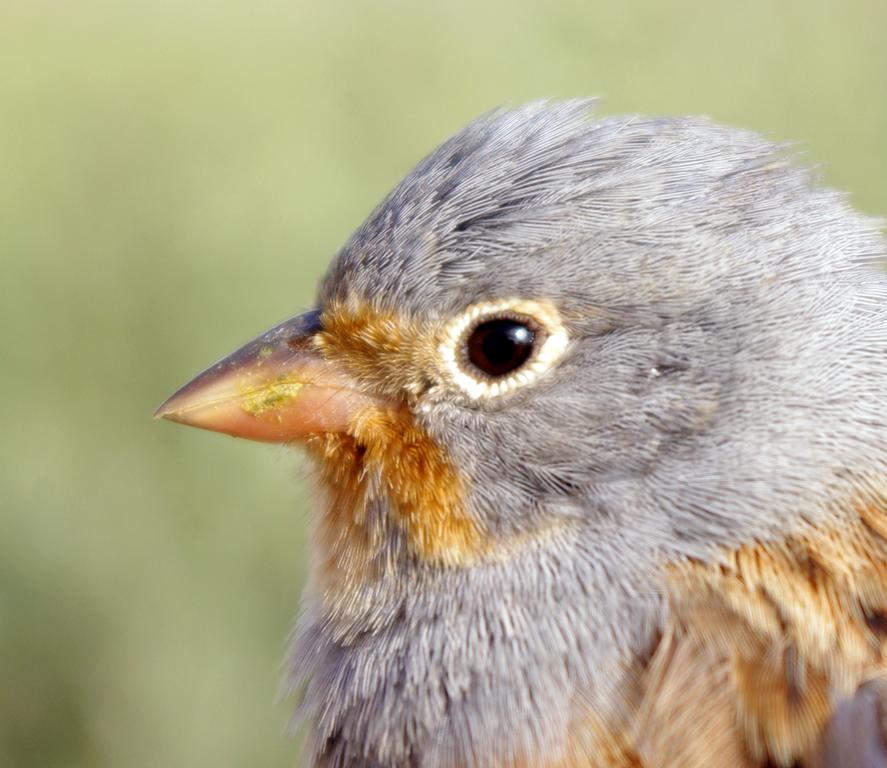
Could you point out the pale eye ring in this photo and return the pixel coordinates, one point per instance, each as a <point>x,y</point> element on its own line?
<point>494,347</point>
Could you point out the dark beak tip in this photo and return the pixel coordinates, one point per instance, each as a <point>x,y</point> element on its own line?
<point>171,408</point>
<point>163,413</point>
<point>168,410</point>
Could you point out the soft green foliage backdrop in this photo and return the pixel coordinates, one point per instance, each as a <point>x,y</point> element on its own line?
<point>173,177</point>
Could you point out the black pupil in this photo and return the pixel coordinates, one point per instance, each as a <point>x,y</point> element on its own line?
<point>498,347</point>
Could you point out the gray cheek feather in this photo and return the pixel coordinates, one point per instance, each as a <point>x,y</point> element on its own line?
<point>726,382</point>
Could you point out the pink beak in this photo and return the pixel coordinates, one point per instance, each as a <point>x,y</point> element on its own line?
<point>276,388</point>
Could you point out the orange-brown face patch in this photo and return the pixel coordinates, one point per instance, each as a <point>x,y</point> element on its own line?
<point>386,455</point>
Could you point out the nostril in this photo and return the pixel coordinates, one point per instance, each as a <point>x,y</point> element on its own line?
<point>299,342</point>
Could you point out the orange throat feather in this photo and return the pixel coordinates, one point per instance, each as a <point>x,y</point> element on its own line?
<point>388,461</point>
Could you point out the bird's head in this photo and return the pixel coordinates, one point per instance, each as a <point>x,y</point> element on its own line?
<point>629,326</point>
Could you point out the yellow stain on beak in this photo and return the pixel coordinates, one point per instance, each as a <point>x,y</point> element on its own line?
<point>272,397</point>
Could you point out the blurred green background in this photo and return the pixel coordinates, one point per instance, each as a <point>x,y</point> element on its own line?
<point>173,178</point>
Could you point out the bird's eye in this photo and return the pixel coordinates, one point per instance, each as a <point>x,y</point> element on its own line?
<point>498,347</point>
<point>494,347</point>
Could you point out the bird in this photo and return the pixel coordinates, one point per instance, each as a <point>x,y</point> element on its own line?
<point>596,410</point>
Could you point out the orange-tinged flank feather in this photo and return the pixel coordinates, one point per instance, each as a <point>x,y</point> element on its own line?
<point>761,645</point>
